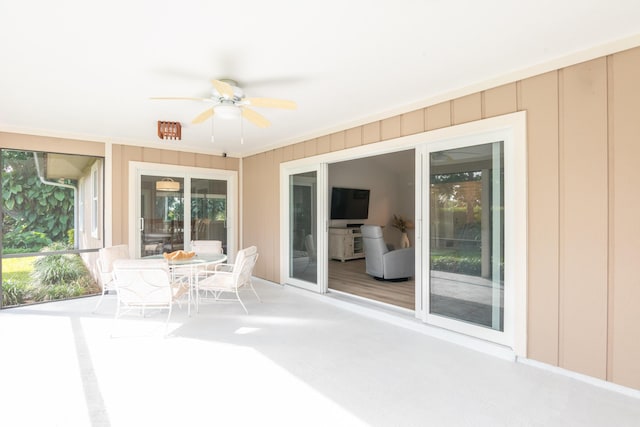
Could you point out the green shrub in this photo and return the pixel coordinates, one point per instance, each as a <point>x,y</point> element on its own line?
<point>15,292</point>
<point>56,269</point>
<point>21,241</point>
<point>61,276</point>
<point>470,266</point>
<point>58,291</point>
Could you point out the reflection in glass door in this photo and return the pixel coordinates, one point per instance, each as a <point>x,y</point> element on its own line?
<point>466,211</point>
<point>161,214</point>
<point>209,210</point>
<point>303,239</point>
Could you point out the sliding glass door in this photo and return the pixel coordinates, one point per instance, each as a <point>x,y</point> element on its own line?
<point>306,239</point>
<point>470,225</point>
<point>467,235</point>
<point>467,194</point>
<point>161,214</point>
<point>174,206</point>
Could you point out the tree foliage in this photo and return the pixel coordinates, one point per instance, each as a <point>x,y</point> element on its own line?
<point>30,205</point>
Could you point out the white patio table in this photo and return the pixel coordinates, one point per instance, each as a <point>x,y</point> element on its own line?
<point>190,268</point>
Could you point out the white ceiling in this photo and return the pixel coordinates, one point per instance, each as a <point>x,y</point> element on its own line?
<point>86,69</point>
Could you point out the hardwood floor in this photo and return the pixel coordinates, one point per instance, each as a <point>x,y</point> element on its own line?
<point>350,277</point>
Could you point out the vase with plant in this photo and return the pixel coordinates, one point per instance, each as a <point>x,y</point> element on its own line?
<point>403,225</point>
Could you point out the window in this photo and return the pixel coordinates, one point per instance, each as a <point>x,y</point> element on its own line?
<point>45,248</point>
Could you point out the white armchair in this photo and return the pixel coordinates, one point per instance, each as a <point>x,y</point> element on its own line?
<point>382,263</point>
<point>104,264</point>
<point>142,284</point>
<point>230,278</point>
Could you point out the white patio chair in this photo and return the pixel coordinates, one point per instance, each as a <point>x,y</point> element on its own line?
<point>206,246</point>
<point>142,284</point>
<point>230,278</point>
<point>104,264</point>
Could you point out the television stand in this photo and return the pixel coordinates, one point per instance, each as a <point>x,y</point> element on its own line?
<point>354,225</point>
<point>345,243</point>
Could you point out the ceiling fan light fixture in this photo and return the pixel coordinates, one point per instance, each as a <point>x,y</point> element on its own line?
<point>227,111</point>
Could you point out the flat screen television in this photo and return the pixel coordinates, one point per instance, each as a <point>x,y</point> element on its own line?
<point>349,203</point>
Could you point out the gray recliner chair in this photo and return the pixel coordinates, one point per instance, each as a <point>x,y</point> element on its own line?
<point>382,263</point>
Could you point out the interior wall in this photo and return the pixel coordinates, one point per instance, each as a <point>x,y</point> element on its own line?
<point>582,131</point>
<point>390,195</point>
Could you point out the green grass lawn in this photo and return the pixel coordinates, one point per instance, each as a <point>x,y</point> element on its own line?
<point>17,269</point>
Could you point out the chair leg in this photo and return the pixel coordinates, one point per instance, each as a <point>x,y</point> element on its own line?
<point>240,301</point>
<point>100,300</point>
<point>254,291</point>
<point>166,323</point>
<point>115,319</point>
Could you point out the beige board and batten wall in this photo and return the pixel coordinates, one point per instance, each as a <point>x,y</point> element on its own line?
<point>583,132</point>
<point>123,154</point>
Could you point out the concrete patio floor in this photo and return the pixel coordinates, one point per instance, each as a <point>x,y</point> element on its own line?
<point>297,359</point>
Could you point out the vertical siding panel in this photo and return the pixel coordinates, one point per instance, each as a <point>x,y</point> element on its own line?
<point>203,161</point>
<point>275,236</point>
<point>118,204</point>
<point>624,342</point>
<point>263,208</point>
<point>371,133</point>
<point>310,148</point>
<point>269,207</point>
<point>152,155</point>
<point>438,116</point>
<point>412,122</point>
<point>246,205</point>
<point>168,157</point>
<point>390,128</point>
<point>323,144</point>
<point>337,141</point>
<point>467,109</point>
<point>287,153</point>
<point>353,137</point>
<point>232,163</point>
<point>539,97</point>
<point>583,218</point>
<point>298,151</point>
<point>129,154</point>
<point>251,205</point>
<point>219,162</point>
<point>186,159</point>
<point>261,230</point>
<point>500,100</point>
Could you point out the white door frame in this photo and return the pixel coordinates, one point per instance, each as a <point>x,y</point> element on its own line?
<point>514,234</point>
<point>286,171</point>
<point>137,169</point>
<point>511,127</point>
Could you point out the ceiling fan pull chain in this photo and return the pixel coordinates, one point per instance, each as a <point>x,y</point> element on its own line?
<point>241,131</point>
<point>212,135</point>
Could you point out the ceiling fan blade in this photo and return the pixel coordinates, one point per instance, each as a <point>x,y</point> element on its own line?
<point>223,88</point>
<point>255,118</point>
<point>272,103</point>
<point>179,98</point>
<point>203,116</point>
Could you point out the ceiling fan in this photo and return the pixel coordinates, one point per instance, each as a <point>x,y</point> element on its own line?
<point>229,101</point>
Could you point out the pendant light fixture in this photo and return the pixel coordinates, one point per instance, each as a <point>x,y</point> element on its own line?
<point>167,184</point>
